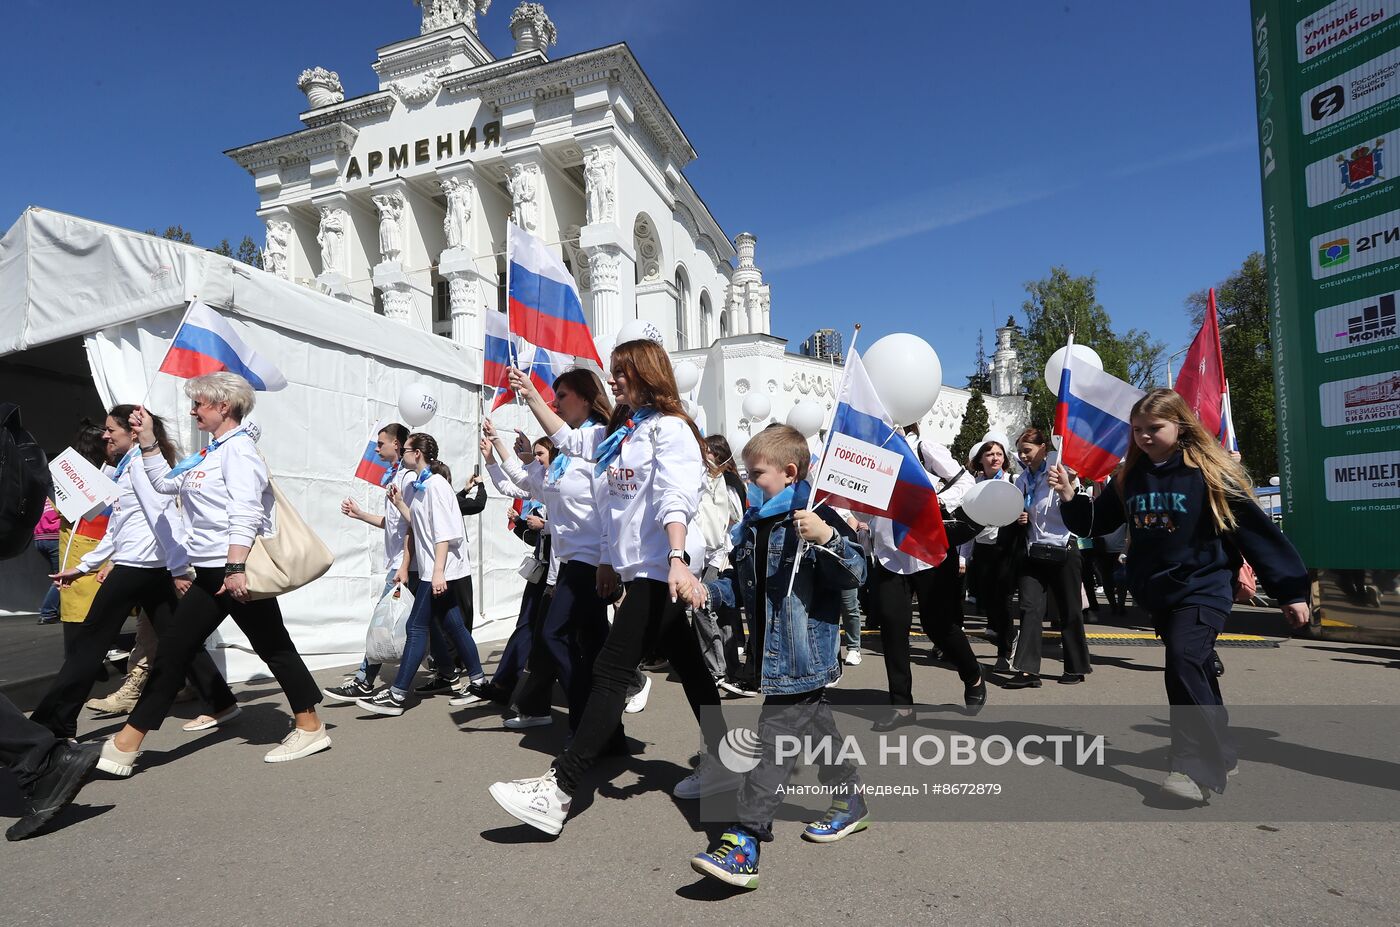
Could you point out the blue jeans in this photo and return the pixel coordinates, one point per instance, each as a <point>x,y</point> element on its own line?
<point>49,607</point>
<point>449,610</point>
<point>850,619</point>
<point>437,644</point>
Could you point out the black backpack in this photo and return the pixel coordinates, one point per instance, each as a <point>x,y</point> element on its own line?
<point>24,483</point>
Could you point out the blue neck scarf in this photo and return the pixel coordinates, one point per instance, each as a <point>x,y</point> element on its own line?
<point>557,468</point>
<point>612,447</point>
<point>792,498</point>
<point>530,507</point>
<point>125,462</point>
<point>389,474</point>
<point>423,476</point>
<point>194,460</point>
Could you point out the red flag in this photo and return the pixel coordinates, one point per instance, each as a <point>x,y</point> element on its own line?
<point>1201,381</point>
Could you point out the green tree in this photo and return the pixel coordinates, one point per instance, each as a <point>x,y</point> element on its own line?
<point>1242,300</point>
<point>974,425</point>
<point>1061,303</point>
<point>248,251</point>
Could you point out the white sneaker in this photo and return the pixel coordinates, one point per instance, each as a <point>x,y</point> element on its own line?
<point>853,658</point>
<point>637,701</point>
<point>298,744</point>
<point>735,689</point>
<point>537,802</point>
<point>468,700</point>
<point>709,778</point>
<point>1180,785</point>
<point>117,762</point>
<point>521,722</point>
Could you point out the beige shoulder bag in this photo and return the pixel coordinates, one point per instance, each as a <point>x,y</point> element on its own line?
<point>288,559</point>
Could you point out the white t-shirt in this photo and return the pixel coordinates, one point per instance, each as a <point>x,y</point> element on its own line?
<point>436,517</point>
<point>395,528</point>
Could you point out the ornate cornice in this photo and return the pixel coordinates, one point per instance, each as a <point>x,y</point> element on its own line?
<point>464,81</point>
<point>614,63</point>
<point>370,106</point>
<point>298,146</point>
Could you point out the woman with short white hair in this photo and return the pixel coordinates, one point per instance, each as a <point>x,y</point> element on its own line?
<point>227,499</point>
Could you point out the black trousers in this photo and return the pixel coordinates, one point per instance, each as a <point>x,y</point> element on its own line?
<point>533,693</point>
<point>24,745</point>
<point>1201,745</point>
<point>805,716</point>
<point>125,588</point>
<point>940,613</point>
<point>646,619</point>
<point>199,613</point>
<point>1107,563</point>
<point>1042,581</point>
<point>992,582</point>
<point>575,627</point>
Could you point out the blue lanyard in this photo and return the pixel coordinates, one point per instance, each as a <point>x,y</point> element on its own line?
<point>1033,484</point>
<point>194,460</point>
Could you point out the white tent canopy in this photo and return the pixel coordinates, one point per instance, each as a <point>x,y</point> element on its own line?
<point>123,294</point>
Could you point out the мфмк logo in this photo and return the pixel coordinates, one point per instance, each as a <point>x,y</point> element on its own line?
<point>1369,241</point>
<point>1356,324</point>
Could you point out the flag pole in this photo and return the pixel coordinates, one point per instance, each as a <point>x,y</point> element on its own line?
<point>821,463</point>
<point>151,383</point>
<point>1057,439</point>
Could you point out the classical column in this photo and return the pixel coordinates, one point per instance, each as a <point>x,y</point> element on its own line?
<point>612,269</point>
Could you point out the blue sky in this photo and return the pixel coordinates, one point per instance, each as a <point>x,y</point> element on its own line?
<point>909,165</point>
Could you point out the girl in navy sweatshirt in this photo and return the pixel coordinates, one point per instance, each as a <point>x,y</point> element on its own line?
<point>1191,516</point>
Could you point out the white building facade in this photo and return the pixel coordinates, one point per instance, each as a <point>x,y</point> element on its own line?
<point>396,202</point>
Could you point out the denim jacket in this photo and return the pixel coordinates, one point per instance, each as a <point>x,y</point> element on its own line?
<point>801,633</point>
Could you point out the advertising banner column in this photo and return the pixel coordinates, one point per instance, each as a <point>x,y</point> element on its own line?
<point>1328,93</point>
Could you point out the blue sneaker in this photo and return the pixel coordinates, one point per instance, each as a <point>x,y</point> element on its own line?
<point>734,861</point>
<point>846,816</point>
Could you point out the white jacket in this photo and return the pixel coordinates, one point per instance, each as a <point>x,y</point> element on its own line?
<point>145,528</point>
<point>654,481</point>
<point>574,505</point>
<point>227,498</point>
<point>720,508</point>
<point>436,517</point>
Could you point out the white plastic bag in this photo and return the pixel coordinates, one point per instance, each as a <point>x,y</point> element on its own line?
<point>388,629</point>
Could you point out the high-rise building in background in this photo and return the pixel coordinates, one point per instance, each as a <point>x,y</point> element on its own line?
<point>824,343</point>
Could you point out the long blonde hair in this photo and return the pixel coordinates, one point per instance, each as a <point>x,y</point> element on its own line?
<point>1225,478</point>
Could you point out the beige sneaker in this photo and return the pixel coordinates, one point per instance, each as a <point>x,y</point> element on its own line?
<point>298,744</point>
<point>117,762</point>
<point>124,699</point>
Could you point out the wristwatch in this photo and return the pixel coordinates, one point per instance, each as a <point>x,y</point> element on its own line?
<point>232,568</point>
<point>677,553</point>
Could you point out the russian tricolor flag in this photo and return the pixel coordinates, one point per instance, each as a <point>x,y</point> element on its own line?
<point>372,468</point>
<point>206,343</point>
<point>1091,418</point>
<point>544,305</point>
<point>913,508</point>
<point>504,349</point>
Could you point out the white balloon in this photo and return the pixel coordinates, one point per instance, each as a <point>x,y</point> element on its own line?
<point>806,416</point>
<point>994,503</point>
<point>906,374</point>
<point>417,404</point>
<point>687,376</point>
<point>1083,354</point>
<point>639,330</point>
<point>757,405</point>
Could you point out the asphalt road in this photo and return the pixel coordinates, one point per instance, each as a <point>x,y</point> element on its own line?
<point>393,824</point>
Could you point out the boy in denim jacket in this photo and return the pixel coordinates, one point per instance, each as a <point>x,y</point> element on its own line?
<point>794,639</point>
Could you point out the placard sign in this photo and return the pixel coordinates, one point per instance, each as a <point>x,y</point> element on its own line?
<point>859,471</point>
<point>80,490</point>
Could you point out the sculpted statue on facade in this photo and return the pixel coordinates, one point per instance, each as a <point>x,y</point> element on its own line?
<point>331,238</point>
<point>522,186</point>
<point>439,14</point>
<point>274,256</point>
<point>457,222</point>
<point>391,207</point>
<point>599,165</point>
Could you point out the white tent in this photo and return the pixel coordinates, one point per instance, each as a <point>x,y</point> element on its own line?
<point>71,288</point>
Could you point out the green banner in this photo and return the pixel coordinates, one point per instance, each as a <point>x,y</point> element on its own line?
<point>1327,78</point>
